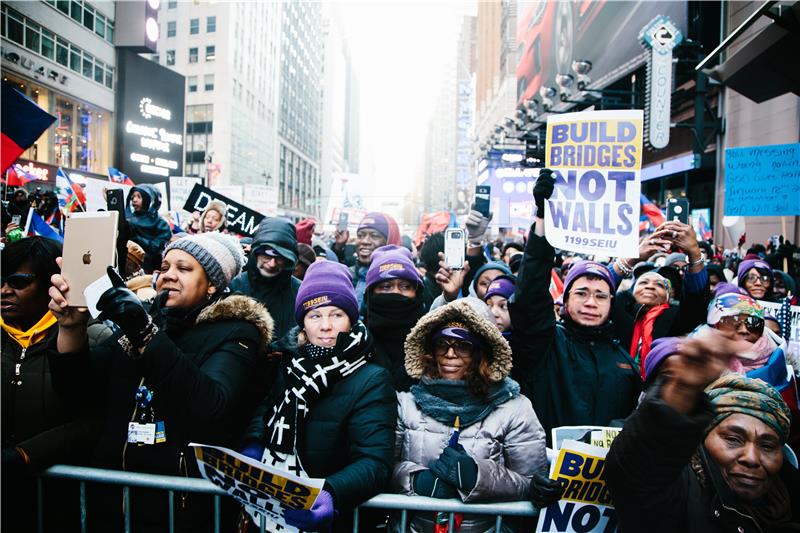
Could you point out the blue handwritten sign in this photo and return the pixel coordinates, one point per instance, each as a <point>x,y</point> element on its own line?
<point>762,180</point>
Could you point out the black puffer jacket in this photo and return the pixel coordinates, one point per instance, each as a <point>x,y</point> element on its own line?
<point>147,228</point>
<point>278,293</point>
<point>348,433</point>
<point>573,375</point>
<point>206,373</point>
<point>656,489</point>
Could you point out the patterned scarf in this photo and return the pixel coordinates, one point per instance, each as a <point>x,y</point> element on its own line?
<point>308,376</point>
<point>643,335</point>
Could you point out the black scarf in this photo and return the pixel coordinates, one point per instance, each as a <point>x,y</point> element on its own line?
<point>604,331</point>
<point>175,320</point>
<point>308,375</point>
<point>444,399</point>
<point>390,318</point>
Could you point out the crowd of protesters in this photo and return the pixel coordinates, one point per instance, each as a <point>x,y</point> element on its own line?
<point>372,364</point>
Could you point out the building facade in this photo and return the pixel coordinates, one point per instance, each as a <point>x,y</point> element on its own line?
<point>300,110</point>
<point>229,54</point>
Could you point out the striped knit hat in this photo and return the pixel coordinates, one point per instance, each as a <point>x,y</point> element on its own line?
<point>220,255</point>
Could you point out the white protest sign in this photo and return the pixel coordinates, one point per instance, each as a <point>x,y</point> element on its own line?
<point>794,317</point>
<point>586,505</point>
<point>267,491</point>
<point>179,189</point>
<point>95,191</point>
<point>234,192</point>
<point>596,158</point>
<point>261,198</point>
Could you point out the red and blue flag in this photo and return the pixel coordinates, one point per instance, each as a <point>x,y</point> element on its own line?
<point>35,225</point>
<point>652,212</point>
<point>70,195</point>
<point>116,176</point>
<point>17,177</point>
<point>23,123</point>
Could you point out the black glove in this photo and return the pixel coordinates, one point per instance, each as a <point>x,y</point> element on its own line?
<point>456,467</point>
<point>425,483</point>
<point>543,189</point>
<point>544,491</point>
<point>121,306</point>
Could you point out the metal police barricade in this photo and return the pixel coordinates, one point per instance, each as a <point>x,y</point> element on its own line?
<point>173,484</point>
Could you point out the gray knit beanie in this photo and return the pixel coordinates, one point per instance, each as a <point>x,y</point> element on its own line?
<point>220,260</point>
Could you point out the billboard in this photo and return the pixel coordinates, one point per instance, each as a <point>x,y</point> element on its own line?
<point>552,34</point>
<point>150,103</point>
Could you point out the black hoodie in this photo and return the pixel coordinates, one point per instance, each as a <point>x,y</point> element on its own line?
<point>277,294</point>
<point>147,229</point>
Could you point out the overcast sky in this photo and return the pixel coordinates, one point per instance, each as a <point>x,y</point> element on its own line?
<point>399,49</point>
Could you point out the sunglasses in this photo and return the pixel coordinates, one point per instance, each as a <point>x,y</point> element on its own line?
<point>17,281</point>
<point>753,324</point>
<point>763,278</point>
<point>461,348</point>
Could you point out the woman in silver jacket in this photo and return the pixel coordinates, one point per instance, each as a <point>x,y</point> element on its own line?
<point>490,454</point>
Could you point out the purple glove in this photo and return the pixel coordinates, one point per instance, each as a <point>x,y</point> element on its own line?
<point>253,449</point>
<point>319,518</point>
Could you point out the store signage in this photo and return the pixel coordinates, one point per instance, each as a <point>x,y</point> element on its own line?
<point>36,67</point>
<point>150,103</point>
<point>661,36</point>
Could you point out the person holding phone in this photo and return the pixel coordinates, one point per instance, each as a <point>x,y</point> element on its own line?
<point>574,372</point>
<point>190,368</point>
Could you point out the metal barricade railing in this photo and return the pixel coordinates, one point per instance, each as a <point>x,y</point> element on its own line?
<point>173,484</point>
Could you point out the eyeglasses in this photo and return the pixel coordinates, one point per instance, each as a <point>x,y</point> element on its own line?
<point>461,348</point>
<point>582,295</point>
<point>18,281</point>
<point>763,278</point>
<point>753,324</point>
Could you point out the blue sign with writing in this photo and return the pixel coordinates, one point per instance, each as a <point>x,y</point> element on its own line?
<point>762,180</point>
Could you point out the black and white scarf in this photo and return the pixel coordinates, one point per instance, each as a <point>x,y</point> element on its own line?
<point>308,376</point>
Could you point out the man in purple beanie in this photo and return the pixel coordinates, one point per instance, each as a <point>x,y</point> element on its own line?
<point>375,230</point>
<point>574,372</point>
<point>393,303</point>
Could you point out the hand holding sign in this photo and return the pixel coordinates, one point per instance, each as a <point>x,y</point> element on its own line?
<point>544,491</point>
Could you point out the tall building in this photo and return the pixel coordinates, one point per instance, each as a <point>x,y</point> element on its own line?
<point>340,109</point>
<point>229,53</point>
<point>495,69</point>
<point>300,112</point>
<point>62,56</point>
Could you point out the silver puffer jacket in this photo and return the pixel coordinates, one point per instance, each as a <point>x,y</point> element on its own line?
<point>508,446</point>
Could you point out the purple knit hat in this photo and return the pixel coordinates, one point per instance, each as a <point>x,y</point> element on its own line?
<point>377,221</point>
<point>391,262</point>
<point>326,283</point>
<point>457,330</point>
<point>501,286</point>
<point>659,350</point>
<point>587,268</point>
<point>747,264</point>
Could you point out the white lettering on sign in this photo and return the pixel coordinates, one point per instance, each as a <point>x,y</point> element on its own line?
<point>158,171</point>
<point>169,163</point>
<point>139,129</point>
<point>152,144</point>
<point>148,110</point>
<point>175,138</point>
<point>140,158</point>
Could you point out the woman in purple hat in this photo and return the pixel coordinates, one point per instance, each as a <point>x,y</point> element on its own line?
<point>347,406</point>
<point>497,295</point>
<point>756,277</point>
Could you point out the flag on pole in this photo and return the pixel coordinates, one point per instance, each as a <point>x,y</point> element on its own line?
<point>23,123</point>
<point>17,177</point>
<point>70,195</point>
<point>35,225</point>
<point>116,176</point>
<point>652,211</point>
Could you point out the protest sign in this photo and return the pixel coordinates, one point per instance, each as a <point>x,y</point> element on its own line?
<point>262,198</point>
<point>241,219</point>
<point>596,158</point>
<point>586,505</point>
<point>95,191</point>
<point>234,192</point>
<point>762,180</point>
<point>794,317</point>
<point>179,189</point>
<point>267,490</point>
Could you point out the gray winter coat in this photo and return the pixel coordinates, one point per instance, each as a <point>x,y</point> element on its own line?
<point>508,445</point>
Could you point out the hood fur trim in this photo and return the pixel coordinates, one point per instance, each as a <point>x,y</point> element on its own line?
<point>415,348</point>
<point>239,307</point>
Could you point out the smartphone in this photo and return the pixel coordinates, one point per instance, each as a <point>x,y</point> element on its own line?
<point>482,195</point>
<point>16,219</point>
<point>90,241</point>
<point>454,248</point>
<point>678,209</point>
<point>343,220</point>
<point>115,201</point>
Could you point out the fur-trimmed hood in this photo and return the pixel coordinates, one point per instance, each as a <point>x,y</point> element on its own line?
<point>476,315</point>
<point>238,307</point>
